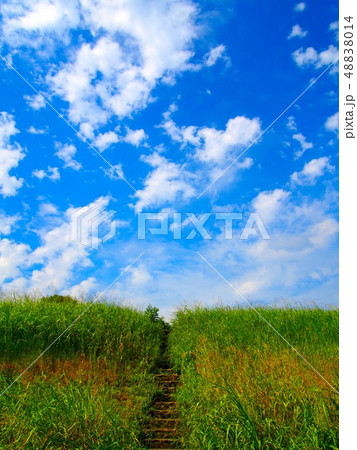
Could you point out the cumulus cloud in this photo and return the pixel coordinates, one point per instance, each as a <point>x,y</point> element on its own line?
<point>140,275</point>
<point>105,140</point>
<point>82,289</point>
<point>299,7</point>
<point>52,173</point>
<point>297,31</point>
<point>10,156</point>
<point>331,123</point>
<point>13,256</point>
<point>135,137</point>
<point>312,170</point>
<point>310,57</point>
<point>7,223</point>
<point>52,265</point>
<point>321,233</point>
<point>268,204</point>
<point>284,267</point>
<point>212,145</point>
<point>168,181</point>
<point>66,152</point>
<point>47,209</point>
<point>304,144</point>
<point>216,144</point>
<point>59,256</point>
<point>38,24</point>
<point>36,102</point>
<point>134,45</point>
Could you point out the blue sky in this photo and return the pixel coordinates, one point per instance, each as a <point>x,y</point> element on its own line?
<point>169,94</point>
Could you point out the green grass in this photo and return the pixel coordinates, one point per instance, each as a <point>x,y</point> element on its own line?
<point>243,387</point>
<point>93,387</point>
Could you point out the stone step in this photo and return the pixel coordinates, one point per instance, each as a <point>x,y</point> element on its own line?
<point>165,414</point>
<point>163,422</point>
<point>164,405</point>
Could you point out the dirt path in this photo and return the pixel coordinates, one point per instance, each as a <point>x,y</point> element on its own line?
<point>161,430</point>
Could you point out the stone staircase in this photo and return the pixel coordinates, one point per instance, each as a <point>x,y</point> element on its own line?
<point>161,430</point>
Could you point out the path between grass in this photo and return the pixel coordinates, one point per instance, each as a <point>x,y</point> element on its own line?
<point>162,427</point>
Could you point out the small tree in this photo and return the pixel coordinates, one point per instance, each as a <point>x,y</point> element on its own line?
<point>153,313</point>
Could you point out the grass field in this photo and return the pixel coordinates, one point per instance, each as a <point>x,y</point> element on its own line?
<point>241,386</point>
<point>92,388</point>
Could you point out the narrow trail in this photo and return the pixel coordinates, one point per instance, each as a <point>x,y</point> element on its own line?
<point>162,427</point>
<point>161,430</point>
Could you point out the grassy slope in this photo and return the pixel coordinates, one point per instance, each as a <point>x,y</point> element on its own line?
<point>91,389</point>
<point>242,387</point>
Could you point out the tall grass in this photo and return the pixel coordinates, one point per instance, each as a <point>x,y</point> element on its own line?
<point>243,387</point>
<point>105,330</point>
<point>93,387</point>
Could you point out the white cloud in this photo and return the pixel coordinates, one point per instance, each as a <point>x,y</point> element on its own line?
<point>12,257</point>
<point>82,289</point>
<point>327,56</point>
<point>36,102</point>
<point>299,7</point>
<point>268,271</point>
<point>334,26</point>
<point>42,15</point>
<point>59,256</point>
<point>297,31</point>
<point>38,24</point>
<point>214,54</point>
<point>87,130</point>
<point>168,181</point>
<point>55,263</point>
<point>48,209</point>
<point>115,172</point>
<point>6,223</point>
<point>140,275</point>
<point>10,156</point>
<point>303,143</point>
<point>66,152</point>
<point>134,45</point>
<point>52,173</point>
<point>331,123</point>
<point>105,140</point>
<point>9,159</point>
<point>212,145</point>
<point>135,137</point>
<point>305,57</point>
<point>310,56</point>
<point>291,124</point>
<point>312,170</point>
<point>268,204</point>
<point>229,177</point>
<point>321,233</point>
<point>33,130</point>
<point>50,266</point>
<point>239,132</point>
